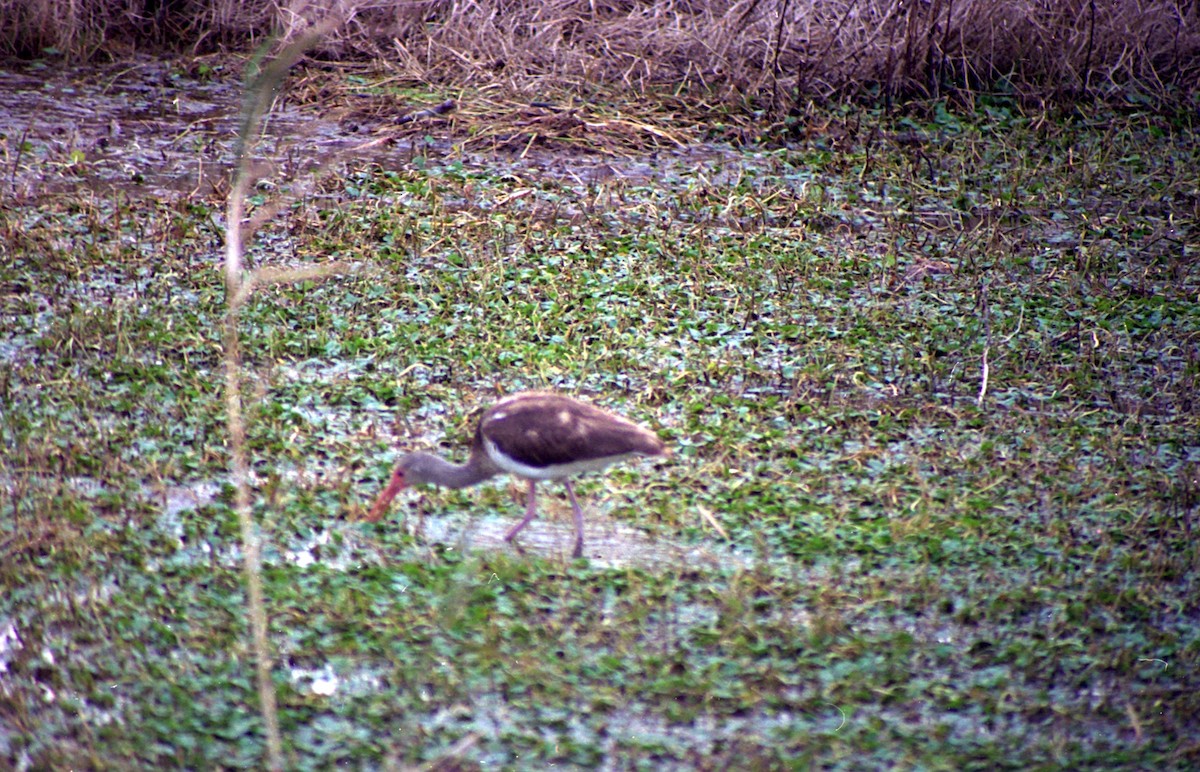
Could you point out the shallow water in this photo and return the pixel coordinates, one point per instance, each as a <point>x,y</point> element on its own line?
<point>147,129</point>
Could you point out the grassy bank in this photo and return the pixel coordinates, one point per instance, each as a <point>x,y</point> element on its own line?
<point>933,378</point>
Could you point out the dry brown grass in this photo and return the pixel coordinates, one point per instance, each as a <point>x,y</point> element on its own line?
<point>771,54</point>
<point>776,53</point>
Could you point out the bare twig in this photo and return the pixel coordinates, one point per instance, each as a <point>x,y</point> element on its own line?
<point>439,109</point>
<point>12,182</point>
<point>983,381</point>
<point>1087,60</point>
<point>270,275</point>
<point>987,345</point>
<point>779,30</point>
<point>259,95</point>
<point>449,760</point>
<point>241,471</point>
<point>708,516</point>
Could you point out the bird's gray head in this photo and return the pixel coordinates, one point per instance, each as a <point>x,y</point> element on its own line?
<point>413,469</point>
<point>416,469</point>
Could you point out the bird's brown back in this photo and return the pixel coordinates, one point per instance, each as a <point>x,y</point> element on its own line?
<point>540,430</point>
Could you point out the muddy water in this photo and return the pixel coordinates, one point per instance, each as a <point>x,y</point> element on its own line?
<point>135,126</point>
<point>146,127</point>
<point>141,126</point>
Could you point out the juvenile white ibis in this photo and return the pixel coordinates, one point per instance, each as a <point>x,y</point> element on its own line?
<point>536,436</point>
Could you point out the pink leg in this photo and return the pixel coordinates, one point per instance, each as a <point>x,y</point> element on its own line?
<point>578,553</point>
<point>530,511</point>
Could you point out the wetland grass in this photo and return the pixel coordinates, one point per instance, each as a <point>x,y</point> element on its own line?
<point>865,557</point>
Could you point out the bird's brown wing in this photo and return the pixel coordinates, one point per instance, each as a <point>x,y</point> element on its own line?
<point>545,430</point>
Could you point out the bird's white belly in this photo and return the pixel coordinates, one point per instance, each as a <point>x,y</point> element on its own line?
<point>555,472</point>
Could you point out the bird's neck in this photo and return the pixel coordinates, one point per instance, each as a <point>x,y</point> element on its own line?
<point>441,472</point>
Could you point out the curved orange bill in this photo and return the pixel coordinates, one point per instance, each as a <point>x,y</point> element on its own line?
<point>395,485</point>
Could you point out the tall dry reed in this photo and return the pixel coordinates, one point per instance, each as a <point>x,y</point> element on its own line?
<point>769,54</point>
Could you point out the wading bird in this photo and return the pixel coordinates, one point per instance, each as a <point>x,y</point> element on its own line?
<point>536,436</point>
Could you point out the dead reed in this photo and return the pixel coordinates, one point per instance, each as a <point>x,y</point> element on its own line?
<point>764,54</point>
